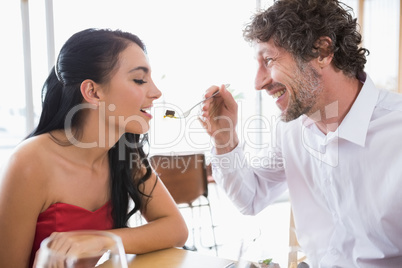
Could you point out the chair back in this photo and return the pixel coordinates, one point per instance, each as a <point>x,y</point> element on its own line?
<point>296,257</point>
<point>184,175</point>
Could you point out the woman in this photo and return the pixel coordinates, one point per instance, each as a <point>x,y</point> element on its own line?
<point>84,163</point>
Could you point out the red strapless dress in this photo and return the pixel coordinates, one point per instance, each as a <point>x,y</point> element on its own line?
<point>61,217</point>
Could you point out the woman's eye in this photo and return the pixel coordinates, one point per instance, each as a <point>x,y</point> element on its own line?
<point>139,81</point>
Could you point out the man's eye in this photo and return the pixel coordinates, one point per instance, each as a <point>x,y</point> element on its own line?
<point>268,61</point>
<point>139,81</point>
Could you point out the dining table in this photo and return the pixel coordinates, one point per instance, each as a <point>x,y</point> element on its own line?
<point>176,258</point>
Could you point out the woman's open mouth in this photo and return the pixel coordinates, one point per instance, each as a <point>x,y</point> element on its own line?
<point>145,111</point>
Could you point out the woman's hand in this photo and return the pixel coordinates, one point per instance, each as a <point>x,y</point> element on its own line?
<point>83,250</point>
<point>71,244</point>
<point>219,118</point>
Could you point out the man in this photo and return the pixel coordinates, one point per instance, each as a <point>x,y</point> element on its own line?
<point>338,147</point>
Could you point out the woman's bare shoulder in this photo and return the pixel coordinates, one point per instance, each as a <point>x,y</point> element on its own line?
<point>24,180</point>
<point>23,193</point>
<point>29,158</point>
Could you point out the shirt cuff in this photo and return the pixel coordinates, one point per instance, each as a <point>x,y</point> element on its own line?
<point>228,162</point>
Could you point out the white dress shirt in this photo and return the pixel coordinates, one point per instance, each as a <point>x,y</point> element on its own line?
<point>345,187</point>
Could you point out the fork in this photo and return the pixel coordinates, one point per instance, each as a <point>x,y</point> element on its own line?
<point>187,113</point>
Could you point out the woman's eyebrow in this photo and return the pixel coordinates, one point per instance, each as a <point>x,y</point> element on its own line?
<point>145,69</point>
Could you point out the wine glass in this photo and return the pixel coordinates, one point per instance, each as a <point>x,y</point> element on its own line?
<point>110,255</point>
<point>252,252</point>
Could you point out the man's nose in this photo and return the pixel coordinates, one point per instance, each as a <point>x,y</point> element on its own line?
<point>262,78</point>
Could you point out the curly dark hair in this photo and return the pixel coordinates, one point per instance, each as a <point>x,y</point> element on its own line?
<point>296,25</point>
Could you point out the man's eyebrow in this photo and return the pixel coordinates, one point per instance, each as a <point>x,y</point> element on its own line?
<point>145,69</point>
<point>264,50</point>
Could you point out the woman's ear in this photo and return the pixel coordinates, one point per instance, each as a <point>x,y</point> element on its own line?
<point>89,92</point>
<point>324,47</point>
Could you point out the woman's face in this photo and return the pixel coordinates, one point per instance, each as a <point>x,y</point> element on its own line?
<point>129,94</point>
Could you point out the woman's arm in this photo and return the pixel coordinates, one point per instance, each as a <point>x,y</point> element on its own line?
<point>21,200</point>
<point>165,228</point>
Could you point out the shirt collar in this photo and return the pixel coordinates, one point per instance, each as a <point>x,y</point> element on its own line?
<point>355,125</point>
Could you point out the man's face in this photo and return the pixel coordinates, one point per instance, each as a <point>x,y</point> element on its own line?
<point>294,85</point>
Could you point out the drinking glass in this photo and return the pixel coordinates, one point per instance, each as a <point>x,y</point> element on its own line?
<point>252,251</point>
<point>112,255</point>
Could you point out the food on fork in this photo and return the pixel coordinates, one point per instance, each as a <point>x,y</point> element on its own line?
<point>170,114</point>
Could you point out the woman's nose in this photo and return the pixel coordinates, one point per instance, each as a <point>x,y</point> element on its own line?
<point>154,92</point>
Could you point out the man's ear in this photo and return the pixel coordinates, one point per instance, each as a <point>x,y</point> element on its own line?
<point>89,92</point>
<point>324,47</point>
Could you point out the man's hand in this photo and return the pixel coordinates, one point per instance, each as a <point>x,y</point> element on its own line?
<point>219,118</point>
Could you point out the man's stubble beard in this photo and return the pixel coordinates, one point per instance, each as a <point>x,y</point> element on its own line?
<point>307,88</point>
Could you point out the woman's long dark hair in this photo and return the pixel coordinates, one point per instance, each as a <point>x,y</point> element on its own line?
<point>93,54</point>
